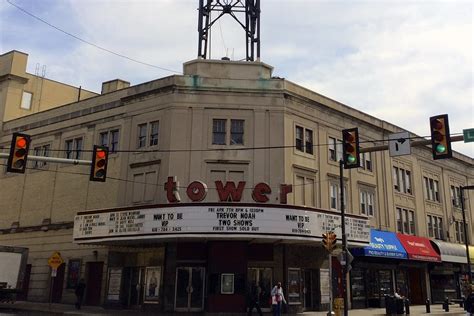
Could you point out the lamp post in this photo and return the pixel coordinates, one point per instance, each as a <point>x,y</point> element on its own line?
<point>466,234</point>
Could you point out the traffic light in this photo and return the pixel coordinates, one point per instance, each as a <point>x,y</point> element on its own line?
<point>350,148</point>
<point>18,153</point>
<point>329,241</point>
<point>440,138</point>
<point>99,163</point>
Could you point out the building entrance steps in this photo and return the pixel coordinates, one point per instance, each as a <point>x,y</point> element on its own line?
<point>27,308</point>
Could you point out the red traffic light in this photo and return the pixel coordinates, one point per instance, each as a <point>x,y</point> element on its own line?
<point>18,153</point>
<point>99,163</point>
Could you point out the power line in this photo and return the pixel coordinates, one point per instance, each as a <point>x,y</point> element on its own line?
<point>90,43</point>
<point>232,149</point>
<point>154,184</point>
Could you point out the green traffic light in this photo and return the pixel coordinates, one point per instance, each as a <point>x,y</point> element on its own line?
<point>440,148</point>
<point>351,159</point>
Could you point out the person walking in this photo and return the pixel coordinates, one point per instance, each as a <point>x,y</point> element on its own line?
<point>254,299</point>
<point>80,288</point>
<point>277,299</point>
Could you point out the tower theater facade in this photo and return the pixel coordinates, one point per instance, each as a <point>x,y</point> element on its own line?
<point>217,179</point>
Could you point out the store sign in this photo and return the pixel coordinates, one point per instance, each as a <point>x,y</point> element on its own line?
<point>219,220</point>
<point>383,244</point>
<point>419,248</point>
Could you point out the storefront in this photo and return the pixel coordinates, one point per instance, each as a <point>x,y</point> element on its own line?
<point>420,254</point>
<point>446,277</point>
<point>205,257</point>
<point>375,270</point>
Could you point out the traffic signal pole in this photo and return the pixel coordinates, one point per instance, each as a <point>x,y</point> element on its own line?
<point>344,240</point>
<point>416,143</point>
<point>54,159</point>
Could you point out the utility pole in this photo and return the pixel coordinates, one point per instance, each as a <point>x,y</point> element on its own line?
<point>344,239</point>
<point>466,233</point>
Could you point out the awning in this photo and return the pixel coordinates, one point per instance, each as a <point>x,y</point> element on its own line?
<point>451,252</point>
<point>418,248</point>
<point>471,254</point>
<point>382,244</point>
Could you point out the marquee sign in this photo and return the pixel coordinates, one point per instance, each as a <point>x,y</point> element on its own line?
<point>223,220</point>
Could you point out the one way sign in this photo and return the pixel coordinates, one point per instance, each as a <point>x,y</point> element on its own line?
<point>399,144</point>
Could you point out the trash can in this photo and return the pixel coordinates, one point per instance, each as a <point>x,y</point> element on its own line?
<point>390,306</point>
<point>399,306</point>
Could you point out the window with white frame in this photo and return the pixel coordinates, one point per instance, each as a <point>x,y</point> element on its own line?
<point>73,148</point>
<point>366,161</point>
<point>335,149</point>
<point>431,189</point>
<point>402,180</point>
<point>459,229</point>
<point>154,132</point>
<point>147,134</point>
<point>26,99</point>
<point>141,133</point>
<point>405,221</point>
<point>367,198</point>
<point>435,226</point>
<point>304,139</point>
<point>43,150</point>
<point>335,196</point>
<point>110,139</point>
<point>455,196</point>
<point>220,131</point>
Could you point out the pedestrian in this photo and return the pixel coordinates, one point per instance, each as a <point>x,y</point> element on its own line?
<point>80,288</point>
<point>470,302</point>
<point>254,298</point>
<point>277,299</point>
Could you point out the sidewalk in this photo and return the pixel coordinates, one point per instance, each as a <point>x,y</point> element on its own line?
<point>34,308</point>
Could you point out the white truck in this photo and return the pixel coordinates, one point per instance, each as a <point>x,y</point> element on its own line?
<point>12,271</point>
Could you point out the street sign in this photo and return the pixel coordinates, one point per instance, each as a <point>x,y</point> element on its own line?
<point>55,260</point>
<point>468,135</point>
<point>342,259</point>
<point>399,144</point>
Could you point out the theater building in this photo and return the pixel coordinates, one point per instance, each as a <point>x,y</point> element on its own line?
<point>219,178</point>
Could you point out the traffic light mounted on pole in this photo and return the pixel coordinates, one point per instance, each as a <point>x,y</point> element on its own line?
<point>329,241</point>
<point>350,148</point>
<point>100,156</point>
<point>18,153</point>
<point>440,138</point>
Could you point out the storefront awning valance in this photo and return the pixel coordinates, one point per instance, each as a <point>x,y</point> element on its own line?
<point>418,248</point>
<point>451,252</point>
<point>382,244</point>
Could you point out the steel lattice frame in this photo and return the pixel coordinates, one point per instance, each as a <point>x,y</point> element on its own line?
<point>251,9</point>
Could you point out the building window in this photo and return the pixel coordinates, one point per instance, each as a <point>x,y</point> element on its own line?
<point>304,140</point>
<point>456,196</point>
<point>366,161</point>
<point>367,203</point>
<point>435,227</point>
<point>459,227</point>
<point>335,149</point>
<point>43,150</point>
<point>335,197</point>
<point>402,180</point>
<point>431,189</point>
<point>144,187</point>
<point>218,132</point>
<point>154,128</point>
<point>304,190</point>
<point>26,100</point>
<point>110,139</point>
<point>73,148</point>
<point>141,142</point>
<point>405,221</point>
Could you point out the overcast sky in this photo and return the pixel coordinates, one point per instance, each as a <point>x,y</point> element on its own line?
<point>401,61</point>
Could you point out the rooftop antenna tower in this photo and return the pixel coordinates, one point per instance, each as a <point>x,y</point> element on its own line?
<point>251,10</point>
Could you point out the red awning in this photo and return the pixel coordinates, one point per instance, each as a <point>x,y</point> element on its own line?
<point>419,248</point>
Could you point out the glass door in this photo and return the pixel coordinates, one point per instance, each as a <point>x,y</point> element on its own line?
<point>263,278</point>
<point>189,294</point>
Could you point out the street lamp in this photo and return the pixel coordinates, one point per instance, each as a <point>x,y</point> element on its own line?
<point>466,239</point>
